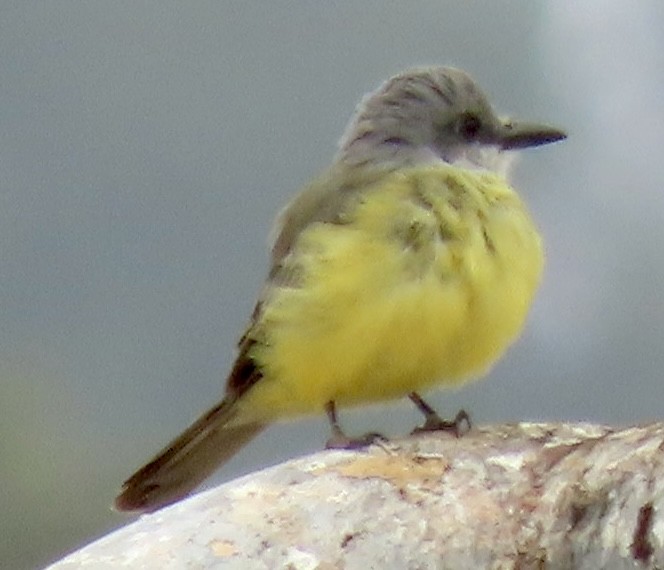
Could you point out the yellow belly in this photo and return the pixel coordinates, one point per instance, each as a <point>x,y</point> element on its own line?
<point>427,281</point>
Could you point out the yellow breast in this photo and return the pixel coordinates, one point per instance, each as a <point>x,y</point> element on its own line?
<point>426,277</point>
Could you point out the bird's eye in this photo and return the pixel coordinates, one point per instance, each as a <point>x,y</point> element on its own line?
<point>469,126</point>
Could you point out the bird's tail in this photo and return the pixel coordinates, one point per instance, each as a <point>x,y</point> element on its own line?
<point>187,460</point>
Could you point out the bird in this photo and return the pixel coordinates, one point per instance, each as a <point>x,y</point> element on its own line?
<point>409,263</point>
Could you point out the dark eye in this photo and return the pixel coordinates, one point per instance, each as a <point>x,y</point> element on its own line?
<point>469,126</point>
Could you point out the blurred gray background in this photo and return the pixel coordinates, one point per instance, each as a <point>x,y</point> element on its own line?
<point>146,146</point>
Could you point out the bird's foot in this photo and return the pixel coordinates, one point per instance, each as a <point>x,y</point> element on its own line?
<point>340,440</point>
<point>459,426</point>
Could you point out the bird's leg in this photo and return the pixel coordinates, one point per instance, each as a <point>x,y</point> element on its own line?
<point>433,422</point>
<point>339,440</point>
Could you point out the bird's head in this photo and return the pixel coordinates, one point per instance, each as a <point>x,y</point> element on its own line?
<point>435,113</point>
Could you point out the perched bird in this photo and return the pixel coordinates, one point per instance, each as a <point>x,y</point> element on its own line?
<point>409,263</point>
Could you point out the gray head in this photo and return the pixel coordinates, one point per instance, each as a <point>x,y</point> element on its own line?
<point>434,113</point>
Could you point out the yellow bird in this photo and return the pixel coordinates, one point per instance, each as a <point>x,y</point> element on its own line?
<point>409,263</point>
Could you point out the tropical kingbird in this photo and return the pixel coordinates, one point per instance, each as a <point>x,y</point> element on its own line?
<point>409,262</point>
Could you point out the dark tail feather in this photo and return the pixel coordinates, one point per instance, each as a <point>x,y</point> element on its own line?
<point>187,460</point>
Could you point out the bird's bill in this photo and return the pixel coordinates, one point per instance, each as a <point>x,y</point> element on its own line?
<point>515,135</point>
